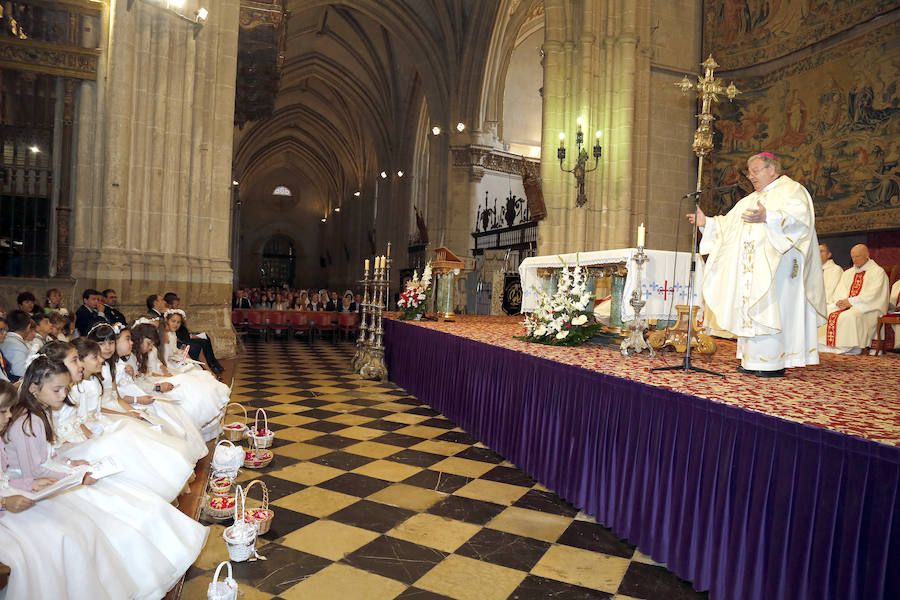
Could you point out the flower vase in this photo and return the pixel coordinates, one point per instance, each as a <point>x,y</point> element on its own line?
<point>418,317</point>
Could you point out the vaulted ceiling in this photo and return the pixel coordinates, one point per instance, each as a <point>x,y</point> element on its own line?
<point>355,75</point>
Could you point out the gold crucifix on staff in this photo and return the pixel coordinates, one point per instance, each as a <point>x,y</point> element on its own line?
<point>708,90</point>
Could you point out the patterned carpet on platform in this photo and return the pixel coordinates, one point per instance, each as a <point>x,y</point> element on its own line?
<point>378,497</point>
<point>857,395</point>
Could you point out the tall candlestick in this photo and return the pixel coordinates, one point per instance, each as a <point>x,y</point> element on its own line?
<point>389,250</point>
<point>641,235</point>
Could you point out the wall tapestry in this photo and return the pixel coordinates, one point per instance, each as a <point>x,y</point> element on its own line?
<point>834,120</point>
<point>744,33</point>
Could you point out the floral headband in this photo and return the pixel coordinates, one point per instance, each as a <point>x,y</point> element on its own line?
<point>116,327</point>
<point>175,311</point>
<point>145,321</point>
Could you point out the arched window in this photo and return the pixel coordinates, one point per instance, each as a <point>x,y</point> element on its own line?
<point>282,190</point>
<point>278,262</point>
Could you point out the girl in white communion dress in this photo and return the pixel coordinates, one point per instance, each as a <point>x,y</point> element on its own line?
<point>150,458</point>
<point>197,392</point>
<point>120,389</point>
<point>155,543</point>
<point>52,552</point>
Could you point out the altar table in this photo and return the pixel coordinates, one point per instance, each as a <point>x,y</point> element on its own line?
<point>664,282</point>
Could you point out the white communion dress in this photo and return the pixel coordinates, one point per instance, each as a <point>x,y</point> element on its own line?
<point>151,459</point>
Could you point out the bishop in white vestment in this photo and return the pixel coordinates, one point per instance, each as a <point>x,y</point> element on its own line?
<point>862,297</point>
<point>763,279</point>
<point>831,273</point>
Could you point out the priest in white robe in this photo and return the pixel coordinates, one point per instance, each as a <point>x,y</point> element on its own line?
<point>831,273</point>
<point>763,278</point>
<point>862,297</point>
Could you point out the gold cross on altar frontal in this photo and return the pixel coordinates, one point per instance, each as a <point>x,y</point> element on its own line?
<point>708,90</point>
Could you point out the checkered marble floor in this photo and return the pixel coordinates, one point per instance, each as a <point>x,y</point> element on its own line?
<point>379,497</point>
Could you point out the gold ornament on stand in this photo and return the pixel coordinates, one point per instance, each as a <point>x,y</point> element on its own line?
<point>369,358</point>
<point>708,89</point>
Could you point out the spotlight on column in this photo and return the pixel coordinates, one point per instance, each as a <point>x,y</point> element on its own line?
<point>176,3</point>
<point>436,130</point>
<point>460,127</point>
<point>202,13</point>
<point>337,209</point>
<point>384,174</point>
<point>34,149</point>
<point>234,182</point>
<point>357,193</point>
<point>324,219</point>
<point>399,173</point>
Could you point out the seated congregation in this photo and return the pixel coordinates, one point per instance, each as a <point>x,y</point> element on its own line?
<point>81,394</point>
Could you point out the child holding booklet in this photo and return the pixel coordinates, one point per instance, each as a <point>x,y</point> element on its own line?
<point>155,542</point>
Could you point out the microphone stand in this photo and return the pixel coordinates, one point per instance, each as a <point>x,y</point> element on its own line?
<point>686,363</point>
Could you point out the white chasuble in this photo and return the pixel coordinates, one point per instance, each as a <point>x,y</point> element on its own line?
<point>832,274</point>
<point>866,288</point>
<point>763,281</point>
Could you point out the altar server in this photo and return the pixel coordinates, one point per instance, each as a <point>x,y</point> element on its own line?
<point>763,280</point>
<point>862,297</point>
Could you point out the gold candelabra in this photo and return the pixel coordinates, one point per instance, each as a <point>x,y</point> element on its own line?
<point>370,346</point>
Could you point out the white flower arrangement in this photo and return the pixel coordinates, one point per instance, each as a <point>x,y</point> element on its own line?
<point>412,299</point>
<point>565,318</point>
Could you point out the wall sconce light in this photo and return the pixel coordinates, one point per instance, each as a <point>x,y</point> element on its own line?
<point>324,219</point>
<point>436,130</point>
<point>34,149</point>
<point>460,127</point>
<point>174,7</point>
<point>384,174</point>
<point>357,193</point>
<point>235,182</point>
<point>399,173</point>
<point>337,209</point>
<point>579,170</point>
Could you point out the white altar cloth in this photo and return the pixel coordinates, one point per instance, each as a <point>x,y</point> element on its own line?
<point>664,282</point>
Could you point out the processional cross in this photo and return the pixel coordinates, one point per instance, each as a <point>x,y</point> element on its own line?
<point>708,90</point>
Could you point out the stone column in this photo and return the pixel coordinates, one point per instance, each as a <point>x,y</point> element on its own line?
<point>153,177</point>
<point>597,66</point>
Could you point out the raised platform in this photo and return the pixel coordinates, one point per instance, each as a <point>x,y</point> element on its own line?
<point>750,488</point>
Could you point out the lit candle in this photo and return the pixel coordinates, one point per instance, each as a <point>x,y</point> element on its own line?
<point>367,265</point>
<point>641,235</point>
<point>562,140</point>
<point>383,261</point>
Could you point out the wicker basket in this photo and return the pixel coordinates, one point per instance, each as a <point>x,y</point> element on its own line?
<point>240,537</point>
<point>219,483</point>
<point>258,459</point>
<point>235,431</point>
<point>227,589</point>
<point>227,458</point>
<point>261,438</point>
<point>218,508</point>
<point>262,516</point>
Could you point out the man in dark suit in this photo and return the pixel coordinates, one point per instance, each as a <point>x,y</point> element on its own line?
<point>90,311</point>
<point>110,302</point>
<point>155,306</point>
<point>196,344</point>
<point>242,301</point>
